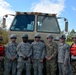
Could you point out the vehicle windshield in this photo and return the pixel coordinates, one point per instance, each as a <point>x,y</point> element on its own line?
<point>47,24</point>
<point>23,22</point>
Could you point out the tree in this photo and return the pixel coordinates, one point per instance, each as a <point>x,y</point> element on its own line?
<point>72,31</point>
<point>69,37</point>
<point>4,34</point>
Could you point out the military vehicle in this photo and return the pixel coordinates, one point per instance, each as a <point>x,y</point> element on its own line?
<point>34,22</point>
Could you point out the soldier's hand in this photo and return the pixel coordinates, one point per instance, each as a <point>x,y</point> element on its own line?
<point>49,58</point>
<point>12,58</point>
<point>32,60</point>
<point>41,60</point>
<point>46,57</point>
<point>65,63</point>
<point>25,58</point>
<point>1,58</point>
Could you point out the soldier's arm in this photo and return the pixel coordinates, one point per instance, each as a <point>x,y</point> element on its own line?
<point>7,53</point>
<point>67,54</point>
<point>16,56</point>
<point>43,52</point>
<point>16,53</point>
<point>30,52</point>
<point>55,51</point>
<point>19,53</point>
<point>46,51</point>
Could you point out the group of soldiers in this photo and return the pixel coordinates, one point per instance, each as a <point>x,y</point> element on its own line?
<point>58,57</point>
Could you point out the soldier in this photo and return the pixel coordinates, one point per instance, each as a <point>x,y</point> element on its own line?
<point>24,52</point>
<point>1,56</point>
<point>38,55</point>
<point>64,57</point>
<point>51,55</point>
<point>73,54</point>
<point>11,56</point>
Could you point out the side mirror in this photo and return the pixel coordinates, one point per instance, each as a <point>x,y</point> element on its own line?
<point>66,23</point>
<point>66,26</point>
<point>4,23</point>
<point>4,19</point>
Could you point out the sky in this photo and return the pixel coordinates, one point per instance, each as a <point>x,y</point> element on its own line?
<point>63,8</point>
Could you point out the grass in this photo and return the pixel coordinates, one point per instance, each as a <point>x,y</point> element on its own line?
<point>69,43</point>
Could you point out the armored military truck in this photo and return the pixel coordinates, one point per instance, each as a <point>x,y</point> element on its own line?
<point>34,22</point>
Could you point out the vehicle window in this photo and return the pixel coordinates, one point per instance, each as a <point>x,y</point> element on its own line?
<point>23,22</point>
<point>47,24</point>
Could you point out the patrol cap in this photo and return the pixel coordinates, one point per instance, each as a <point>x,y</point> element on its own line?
<point>37,36</point>
<point>1,38</point>
<point>13,36</point>
<point>25,36</point>
<point>49,36</point>
<point>74,35</point>
<point>63,36</point>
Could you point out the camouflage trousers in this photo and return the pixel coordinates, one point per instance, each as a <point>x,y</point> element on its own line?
<point>73,67</point>
<point>23,65</point>
<point>1,67</point>
<point>37,67</point>
<point>64,69</point>
<point>51,67</point>
<point>10,66</point>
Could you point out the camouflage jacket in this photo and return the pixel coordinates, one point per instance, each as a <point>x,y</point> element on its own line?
<point>24,50</point>
<point>38,49</point>
<point>63,53</point>
<point>51,50</point>
<point>10,50</point>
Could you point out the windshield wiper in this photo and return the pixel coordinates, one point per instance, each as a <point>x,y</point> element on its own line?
<point>46,15</point>
<point>27,17</point>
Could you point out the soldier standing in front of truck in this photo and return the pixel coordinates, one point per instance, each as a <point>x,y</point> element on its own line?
<point>11,56</point>
<point>64,57</point>
<point>73,54</point>
<point>38,55</point>
<point>1,56</point>
<point>51,55</point>
<point>24,52</point>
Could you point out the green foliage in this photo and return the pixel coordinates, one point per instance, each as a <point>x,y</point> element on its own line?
<point>72,31</point>
<point>69,43</point>
<point>4,35</point>
<point>69,37</point>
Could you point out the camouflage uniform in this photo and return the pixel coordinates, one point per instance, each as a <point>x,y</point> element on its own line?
<point>38,54</point>
<point>1,67</point>
<point>24,52</point>
<point>73,63</point>
<point>10,51</point>
<point>64,58</point>
<point>1,57</point>
<point>51,49</point>
<point>51,65</point>
<point>73,60</point>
